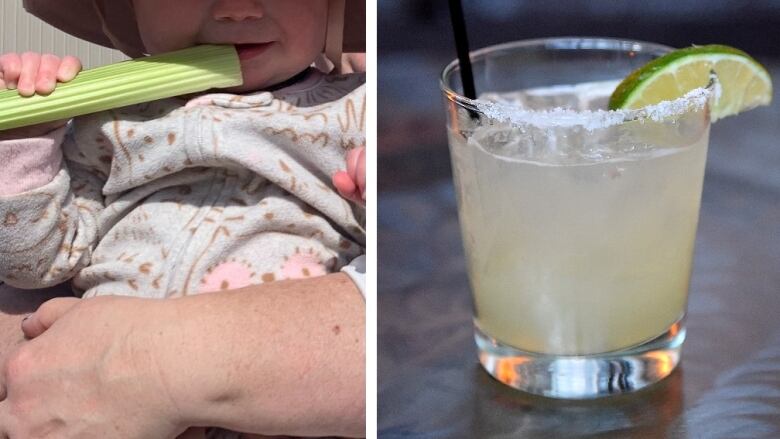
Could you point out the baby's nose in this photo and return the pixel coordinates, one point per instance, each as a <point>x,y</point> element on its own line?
<point>237,10</point>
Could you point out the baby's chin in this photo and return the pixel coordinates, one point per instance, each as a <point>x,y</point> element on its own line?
<point>246,88</point>
<point>252,83</point>
<point>255,81</point>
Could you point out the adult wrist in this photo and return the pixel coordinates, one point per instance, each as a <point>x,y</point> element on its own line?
<point>171,336</point>
<point>285,357</point>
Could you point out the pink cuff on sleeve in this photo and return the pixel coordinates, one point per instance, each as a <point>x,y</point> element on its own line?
<point>29,163</point>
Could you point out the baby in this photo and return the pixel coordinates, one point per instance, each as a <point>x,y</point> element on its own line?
<point>190,194</point>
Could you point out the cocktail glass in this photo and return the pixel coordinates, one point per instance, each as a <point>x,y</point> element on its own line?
<point>578,223</point>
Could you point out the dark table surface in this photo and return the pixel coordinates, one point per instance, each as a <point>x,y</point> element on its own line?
<point>430,383</point>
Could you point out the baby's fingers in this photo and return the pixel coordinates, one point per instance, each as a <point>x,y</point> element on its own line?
<point>345,185</point>
<point>356,168</point>
<point>47,74</point>
<point>353,156</point>
<point>361,173</point>
<point>31,62</point>
<point>69,68</point>
<point>10,68</point>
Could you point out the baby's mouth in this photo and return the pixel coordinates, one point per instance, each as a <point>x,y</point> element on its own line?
<point>249,51</point>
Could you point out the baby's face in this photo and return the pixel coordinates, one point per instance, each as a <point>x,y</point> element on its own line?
<point>276,38</point>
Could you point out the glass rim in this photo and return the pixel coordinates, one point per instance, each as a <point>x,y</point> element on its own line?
<point>453,66</point>
<point>568,117</point>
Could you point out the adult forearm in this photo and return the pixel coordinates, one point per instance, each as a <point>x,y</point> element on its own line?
<point>280,358</point>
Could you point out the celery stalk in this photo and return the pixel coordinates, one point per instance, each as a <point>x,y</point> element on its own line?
<point>131,82</point>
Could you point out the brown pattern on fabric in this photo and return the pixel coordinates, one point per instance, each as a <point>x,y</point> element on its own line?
<point>227,274</point>
<point>121,144</point>
<point>222,230</point>
<point>296,137</point>
<point>230,191</point>
<point>352,116</point>
<point>10,219</point>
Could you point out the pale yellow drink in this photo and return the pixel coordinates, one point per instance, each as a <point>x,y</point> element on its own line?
<point>572,252</point>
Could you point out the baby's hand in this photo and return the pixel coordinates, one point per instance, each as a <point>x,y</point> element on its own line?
<point>31,73</point>
<point>351,183</point>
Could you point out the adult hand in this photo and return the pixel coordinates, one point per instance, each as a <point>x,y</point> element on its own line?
<point>89,373</point>
<point>285,357</point>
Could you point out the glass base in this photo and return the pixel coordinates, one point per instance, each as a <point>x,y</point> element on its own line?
<point>585,376</point>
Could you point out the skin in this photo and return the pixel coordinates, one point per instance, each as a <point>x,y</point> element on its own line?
<point>200,22</point>
<point>14,307</point>
<point>31,72</point>
<point>310,379</point>
<point>296,28</point>
<point>135,381</point>
<point>351,183</point>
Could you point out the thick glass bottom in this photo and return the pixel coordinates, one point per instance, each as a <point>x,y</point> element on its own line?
<point>583,376</point>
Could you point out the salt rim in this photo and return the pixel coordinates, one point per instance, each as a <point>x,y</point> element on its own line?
<point>591,120</point>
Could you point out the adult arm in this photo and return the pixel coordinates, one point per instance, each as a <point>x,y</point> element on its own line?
<point>289,356</point>
<point>280,358</point>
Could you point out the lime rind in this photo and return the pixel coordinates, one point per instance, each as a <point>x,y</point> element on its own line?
<point>636,82</point>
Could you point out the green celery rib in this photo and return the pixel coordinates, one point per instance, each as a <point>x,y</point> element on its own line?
<point>131,82</point>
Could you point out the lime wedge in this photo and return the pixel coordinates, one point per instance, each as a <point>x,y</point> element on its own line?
<point>744,82</point>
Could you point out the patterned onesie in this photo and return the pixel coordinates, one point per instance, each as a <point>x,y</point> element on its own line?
<point>178,197</point>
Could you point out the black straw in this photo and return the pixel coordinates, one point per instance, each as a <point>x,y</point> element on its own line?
<point>462,46</point>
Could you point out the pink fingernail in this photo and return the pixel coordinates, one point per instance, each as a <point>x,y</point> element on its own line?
<point>11,85</point>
